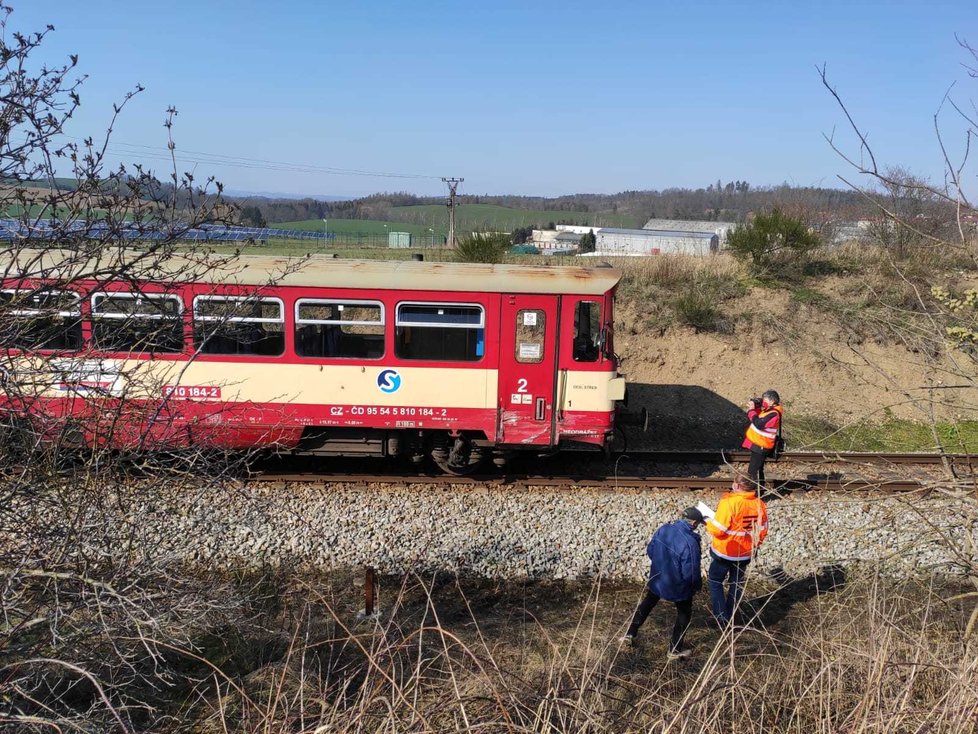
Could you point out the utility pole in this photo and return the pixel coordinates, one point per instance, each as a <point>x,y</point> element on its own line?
<point>452,203</point>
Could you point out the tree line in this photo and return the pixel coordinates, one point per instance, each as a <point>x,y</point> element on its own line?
<point>726,202</point>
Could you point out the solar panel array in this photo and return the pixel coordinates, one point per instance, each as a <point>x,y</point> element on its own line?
<point>12,229</point>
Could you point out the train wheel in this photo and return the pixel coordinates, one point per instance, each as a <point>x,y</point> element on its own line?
<point>457,470</point>
<point>463,458</point>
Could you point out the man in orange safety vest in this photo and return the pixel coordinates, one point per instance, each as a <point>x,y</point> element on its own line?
<point>763,432</point>
<point>738,527</point>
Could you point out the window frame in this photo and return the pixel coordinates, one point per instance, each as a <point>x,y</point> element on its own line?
<point>95,317</point>
<point>196,317</point>
<point>599,357</point>
<point>136,296</point>
<point>398,324</point>
<point>39,312</point>
<point>60,314</point>
<point>300,322</point>
<point>339,302</point>
<point>240,319</point>
<point>439,304</point>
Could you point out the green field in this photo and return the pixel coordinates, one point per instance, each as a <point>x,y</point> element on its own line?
<point>298,248</point>
<point>363,227</point>
<point>469,218</point>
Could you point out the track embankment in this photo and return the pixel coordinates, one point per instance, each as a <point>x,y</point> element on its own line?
<point>506,531</point>
<point>656,470</point>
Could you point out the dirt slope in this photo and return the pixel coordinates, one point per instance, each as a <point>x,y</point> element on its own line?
<point>705,378</point>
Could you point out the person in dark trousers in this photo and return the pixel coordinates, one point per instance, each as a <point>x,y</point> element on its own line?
<point>738,528</point>
<point>763,430</point>
<point>674,575</point>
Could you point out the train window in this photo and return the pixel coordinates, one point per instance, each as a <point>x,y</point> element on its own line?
<point>40,319</point>
<point>587,331</point>
<point>137,322</point>
<point>340,329</point>
<point>239,325</point>
<point>445,332</point>
<point>530,328</point>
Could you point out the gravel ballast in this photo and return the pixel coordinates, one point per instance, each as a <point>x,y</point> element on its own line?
<point>512,533</point>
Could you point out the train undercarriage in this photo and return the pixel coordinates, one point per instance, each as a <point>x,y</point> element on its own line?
<point>454,452</point>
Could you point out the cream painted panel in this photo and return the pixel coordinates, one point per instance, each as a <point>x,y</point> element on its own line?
<point>263,383</point>
<point>591,391</point>
<point>61,376</point>
<point>276,383</point>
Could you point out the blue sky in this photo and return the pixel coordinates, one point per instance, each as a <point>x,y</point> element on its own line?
<point>536,98</point>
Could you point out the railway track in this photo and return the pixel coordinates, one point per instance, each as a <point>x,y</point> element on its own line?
<point>780,486</point>
<point>849,457</point>
<point>602,475</point>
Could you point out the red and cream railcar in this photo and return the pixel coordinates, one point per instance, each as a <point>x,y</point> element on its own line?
<point>330,357</point>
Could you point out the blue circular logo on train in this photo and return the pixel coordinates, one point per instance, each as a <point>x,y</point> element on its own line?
<point>388,381</point>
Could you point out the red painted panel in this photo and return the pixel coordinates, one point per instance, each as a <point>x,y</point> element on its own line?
<point>527,369</point>
<point>586,426</point>
<point>177,423</point>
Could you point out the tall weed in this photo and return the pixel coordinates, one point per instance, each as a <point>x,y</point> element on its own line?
<point>682,290</point>
<point>823,653</point>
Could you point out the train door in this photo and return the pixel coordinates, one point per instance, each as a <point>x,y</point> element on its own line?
<point>527,369</point>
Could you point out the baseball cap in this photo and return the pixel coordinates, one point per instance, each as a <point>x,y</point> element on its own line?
<point>691,513</point>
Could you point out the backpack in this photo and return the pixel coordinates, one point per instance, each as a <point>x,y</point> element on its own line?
<point>780,445</point>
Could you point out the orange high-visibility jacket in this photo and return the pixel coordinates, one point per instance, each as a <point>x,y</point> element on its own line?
<point>739,526</point>
<point>763,427</point>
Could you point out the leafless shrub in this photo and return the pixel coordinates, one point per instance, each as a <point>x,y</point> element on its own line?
<point>90,606</point>
<point>871,657</point>
<point>924,231</point>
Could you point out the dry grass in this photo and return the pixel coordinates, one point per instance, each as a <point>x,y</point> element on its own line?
<point>448,656</point>
<point>681,289</point>
<point>873,294</point>
<point>676,271</point>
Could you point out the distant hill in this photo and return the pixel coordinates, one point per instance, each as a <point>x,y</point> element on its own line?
<point>273,195</point>
<point>69,184</point>
<point>730,202</point>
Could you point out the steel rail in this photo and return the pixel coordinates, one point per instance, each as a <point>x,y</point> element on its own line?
<point>602,482</point>
<point>724,456</point>
<point>598,474</point>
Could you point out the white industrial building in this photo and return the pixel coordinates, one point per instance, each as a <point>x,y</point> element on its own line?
<point>720,229</point>
<point>616,241</point>
<point>612,241</point>
<point>561,241</point>
<point>578,229</point>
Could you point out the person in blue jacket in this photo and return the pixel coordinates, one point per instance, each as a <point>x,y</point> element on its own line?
<point>674,576</point>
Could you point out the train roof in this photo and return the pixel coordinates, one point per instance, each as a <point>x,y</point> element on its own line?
<point>324,272</point>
